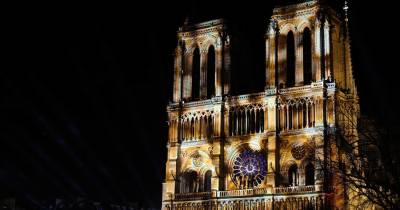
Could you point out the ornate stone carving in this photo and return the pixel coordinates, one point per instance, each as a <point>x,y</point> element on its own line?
<point>273,26</point>
<point>211,150</point>
<point>299,151</point>
<point>282,121</point>
<point>184,154</point>
<point>197,160</point>
<point>249,169</point>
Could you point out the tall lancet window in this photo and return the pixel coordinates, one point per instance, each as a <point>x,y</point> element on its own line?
<point>211,72</point>
<point>196,74</point>
<point>207,181</point>
<point>309,174</point>
<point>307,68</point>
<point>291,60</point>
<point>292,175</point>
<point>189,182</point>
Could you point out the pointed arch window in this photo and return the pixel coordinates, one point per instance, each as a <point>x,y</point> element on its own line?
<point>291,60</point>
<point>207,181</point>
<point>189,182</point>
<point>309,171</point>
<point>293,175</point>
<point>196,74</point>
<point>307,59</point>
<point>211,72</point>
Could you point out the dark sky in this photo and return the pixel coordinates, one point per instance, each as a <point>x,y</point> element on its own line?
<point>83,101</point>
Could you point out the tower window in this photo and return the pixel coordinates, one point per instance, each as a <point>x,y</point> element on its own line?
<point>196,74</point>
<point>291,60</point>
<point>189,182</point>
<point>292,175</point>
<point>211,72</point>
<point>307,60</point>
<point>207,181</point>
<point>309,174</point>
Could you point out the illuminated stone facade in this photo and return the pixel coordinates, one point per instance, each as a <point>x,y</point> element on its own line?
<point>265,150</point>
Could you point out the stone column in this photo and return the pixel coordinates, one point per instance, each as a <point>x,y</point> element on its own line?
<point>178,68</point>
<point>203,74</point>
<point>348,64</point>
<point>187,80</point>
<point>227,65</point>
<point>297,116</point>
<point>271,54</point>
<point>316,50</point>
<point>307,116</point>
<point>172,130</point>
<point>172,170</point>
<point>226,121</point>
<point>197,128</point>
<point>299,58</point>
<point>327,49</point>
<point>237,122</point>
<point>217,121</point>
<point>319,111</point>
<point>182,132</point>
<point>270,61</point>
<point>218,164</point>
<point>287,117</point>
<point>246,121</point>
<point>268,45</point>
<point>256,122</point>
<point>282,59</point>
<point>218,71</point>
<point>266,118</point>
<point>282,118</point>
<point>272,161</point>
<point>319,163</point>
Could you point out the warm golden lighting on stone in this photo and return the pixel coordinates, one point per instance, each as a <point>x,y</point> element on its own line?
<point>264,149</point>
<point>255,143</point>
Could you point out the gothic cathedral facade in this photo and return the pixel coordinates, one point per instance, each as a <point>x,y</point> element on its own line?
<point>264,150</point>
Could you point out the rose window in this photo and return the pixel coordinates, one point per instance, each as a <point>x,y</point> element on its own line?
<point>249,169</point>
<point>298,152</point>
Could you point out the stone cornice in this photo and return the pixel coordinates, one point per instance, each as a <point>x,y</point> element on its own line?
<point>294,7</point>
<point>200,32</point>
<point>305,131</point>
<point>213,26</point>
<point>201,25</point>
<point>296,13</point>
<point>249,97</point>
<point>172,106</point>
<point>256,98</point>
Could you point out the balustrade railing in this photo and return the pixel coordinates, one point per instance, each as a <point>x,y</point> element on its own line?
<point>248,114</point>
<point>295,189</point>
<point>244,192</point>
<point>193,196</point>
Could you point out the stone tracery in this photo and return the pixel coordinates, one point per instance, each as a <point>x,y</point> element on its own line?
<point>249,169</point>
<point>287,121</point>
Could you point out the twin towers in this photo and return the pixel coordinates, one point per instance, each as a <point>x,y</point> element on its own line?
<point>264,150</point>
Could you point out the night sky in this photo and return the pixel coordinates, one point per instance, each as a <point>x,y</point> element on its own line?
<point>83,103</point>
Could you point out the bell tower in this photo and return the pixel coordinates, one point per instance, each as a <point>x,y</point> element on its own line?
<point>202,62</point>
<point>274,149</point>
<point>196,115</point>
<point>308,42</point>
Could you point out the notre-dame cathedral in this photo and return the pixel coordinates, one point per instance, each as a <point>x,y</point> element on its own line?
<point>263,150</point>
